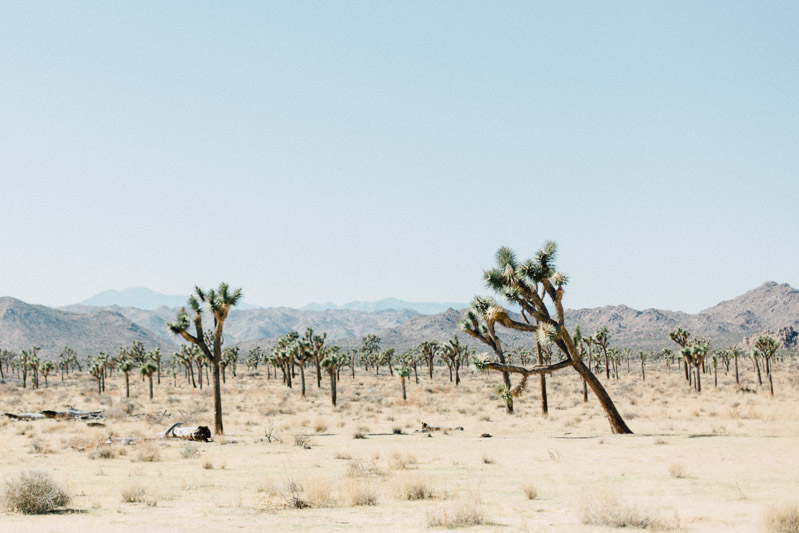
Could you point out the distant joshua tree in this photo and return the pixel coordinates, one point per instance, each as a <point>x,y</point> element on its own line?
<point>219,302</point>
<point>601,339</point>
<point>331,362</point>
<point>767,346</point>
<point>45,368</point>
<point>403,372</point>
<point>529,285</point>
<point>126,365</point>
<point>147,369</point>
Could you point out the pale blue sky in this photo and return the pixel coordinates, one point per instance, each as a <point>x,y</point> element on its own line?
<point>332,151</point>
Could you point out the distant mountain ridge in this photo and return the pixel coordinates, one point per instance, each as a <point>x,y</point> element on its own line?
<point>89,329</point>
<point>425,308</point>
<point>142,298</point>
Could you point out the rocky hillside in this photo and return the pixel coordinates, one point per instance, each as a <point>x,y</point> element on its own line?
<point>771,306</point>
<point>23,325</point>
<point>261,323</point>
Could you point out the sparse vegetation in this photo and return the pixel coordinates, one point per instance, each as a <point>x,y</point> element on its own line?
<point>33,492</point>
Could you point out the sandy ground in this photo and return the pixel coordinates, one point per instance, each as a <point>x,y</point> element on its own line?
<point>714,461</point>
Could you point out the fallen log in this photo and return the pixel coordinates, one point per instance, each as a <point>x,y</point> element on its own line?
<point>25,416</point>
<point>427,428</point>
<point>175,431</point>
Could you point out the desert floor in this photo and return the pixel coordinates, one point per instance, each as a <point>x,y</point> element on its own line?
<point>715,461</point>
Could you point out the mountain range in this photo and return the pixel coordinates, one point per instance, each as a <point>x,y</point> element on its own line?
<point>90,329</point>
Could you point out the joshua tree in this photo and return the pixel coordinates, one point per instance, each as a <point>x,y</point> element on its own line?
<point>453,353</point>
<point>218,302</point>
<point>96,369</point>
<point>601,339</point>
<point>529,285</point>
<point>45,368</point>
<point>229,358</point>
<point>331,362</point>
<point>147,369</point>
<point>403,372</point>
<point>642,356</point>
<point>767,346</point>
<point>370,348</point>
<point>65,358</point>
<point>427,350</point>
<point>680,336</point>
<point>154,355</point>
<point>735,353</point>
<point>694,353</point>
<point>126,365</point>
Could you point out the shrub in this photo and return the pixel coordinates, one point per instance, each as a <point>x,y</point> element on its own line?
<point>412,488</point>
<point>190,450</point>
<point>605,508</point>
<point>359,493</point>
<point>677,470</point>
<point>148,453</point>
<point>134,494</point>
<point>530,491</point>
<point>104,452</point>
<point>783,519</point>
<point>34,492</point>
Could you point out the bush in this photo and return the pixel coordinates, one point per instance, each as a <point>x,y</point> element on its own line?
<point>412,487</point>
<point>34,492</point>
<point>783,519</point>
<point>605,508</point>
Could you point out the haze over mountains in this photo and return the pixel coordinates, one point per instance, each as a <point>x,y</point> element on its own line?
<point>90,329</point>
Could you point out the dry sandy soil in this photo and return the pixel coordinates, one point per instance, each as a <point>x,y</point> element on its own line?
<point>715,461</point>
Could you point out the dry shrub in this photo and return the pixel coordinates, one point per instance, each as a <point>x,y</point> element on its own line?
<point>783,519</point>
<point>400,462</point>
<point>147,453</point>
<point>33,492</point>
<point>359,468</point>
<point>104,452</point>
<point>190,450</point>
<point>317,491</point>
<point>320,426</point>
<point>358,492</point>
<point>342,455</point>
<point>677,470</point>
<point>530,491</point>
<point>605,508</point>
<point>465,512</point>
<point>134,493</point>
<point>412,487</point>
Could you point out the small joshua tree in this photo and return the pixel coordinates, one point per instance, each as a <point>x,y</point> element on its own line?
<point>694,353</point>
<point>219,302</point>
<point>148,368</point>
<point>403,372</point>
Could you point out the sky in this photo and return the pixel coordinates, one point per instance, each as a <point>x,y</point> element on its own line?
<point>338,151</point>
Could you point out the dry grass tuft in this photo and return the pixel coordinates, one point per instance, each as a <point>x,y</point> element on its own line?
<point>677,470</point>
<point>358,492</point>
<point>412,487</point>
<point>134,493</point>
<point>147,453</point>
<point>605,508</point>
<point>33,492</point>
<point>530,491</point>
<point>466,512</point>
<point>783,519</point>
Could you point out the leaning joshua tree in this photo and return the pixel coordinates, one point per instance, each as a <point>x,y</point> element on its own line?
<point>529,285</point>
<point>218,302</point>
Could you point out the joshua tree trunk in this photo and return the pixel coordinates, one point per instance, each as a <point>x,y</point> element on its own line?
<point>643,372</point>
<point>333,387</point>
<point>318,373</point>
<point>698,379</point>
<point>402,379</point>
<point>736,372</point>
<point>151,385</point>
<point>302,378</point>
<point>543,378</point>
<point>127,385</point>
<point>757,366</point>
<point>617,424</point>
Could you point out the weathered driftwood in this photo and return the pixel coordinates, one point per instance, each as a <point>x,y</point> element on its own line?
<point>25,416</point>
<point>69,414</point>
<point>427,428</point>
<point>176,431</point>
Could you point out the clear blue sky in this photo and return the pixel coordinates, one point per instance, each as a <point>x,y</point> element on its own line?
<point>332,151</point>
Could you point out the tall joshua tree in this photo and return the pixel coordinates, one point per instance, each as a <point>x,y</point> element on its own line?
<point>403,372</point>
<point>530,284</point>
<point>218,302</point>
<point>126,365</point>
